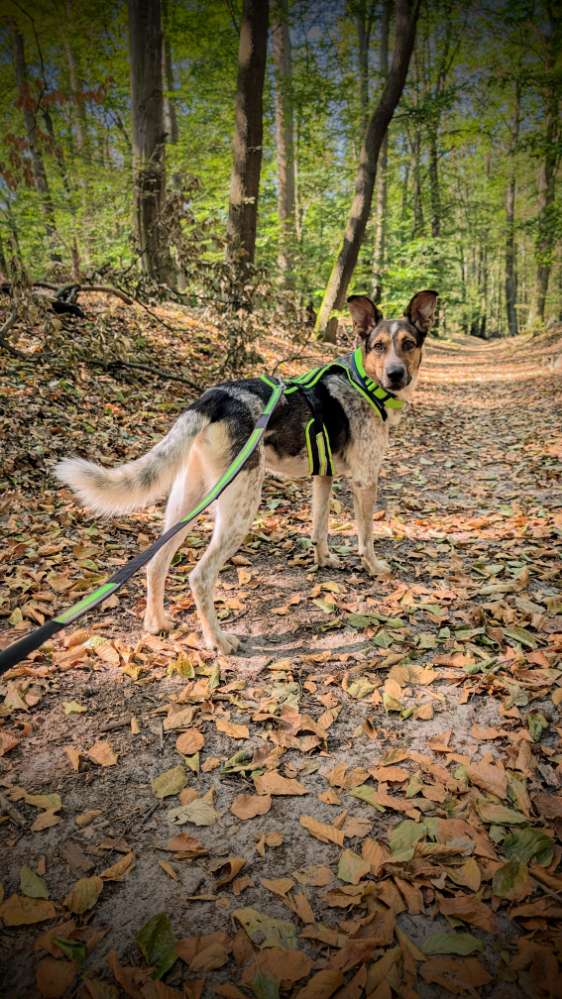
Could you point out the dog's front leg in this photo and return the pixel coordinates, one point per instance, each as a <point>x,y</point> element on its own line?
<point>321,489</point>
<point>364,499</point>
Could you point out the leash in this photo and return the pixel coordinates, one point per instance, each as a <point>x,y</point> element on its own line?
<point>320,463</point>
<point>19,650</point>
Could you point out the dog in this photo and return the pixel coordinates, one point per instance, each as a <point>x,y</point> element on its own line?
<point>209,434</point>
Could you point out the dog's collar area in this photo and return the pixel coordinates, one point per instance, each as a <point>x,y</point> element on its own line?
<point>317,440</point>
<point>352,365</point>
<point>378,396</point>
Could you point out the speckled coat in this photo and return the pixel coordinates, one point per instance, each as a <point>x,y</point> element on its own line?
<point>206,438</point>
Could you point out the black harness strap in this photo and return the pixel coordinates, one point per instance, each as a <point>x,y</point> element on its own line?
<point>316,436</point>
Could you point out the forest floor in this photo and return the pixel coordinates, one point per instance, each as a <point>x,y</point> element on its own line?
<point>364,802</point>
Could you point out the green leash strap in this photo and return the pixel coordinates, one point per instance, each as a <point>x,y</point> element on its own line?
<point>34,639</point>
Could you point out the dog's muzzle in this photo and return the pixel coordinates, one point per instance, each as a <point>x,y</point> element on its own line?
<point>396,378</point>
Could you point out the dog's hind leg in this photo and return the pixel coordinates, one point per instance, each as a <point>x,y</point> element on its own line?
<point>186,492</point>
<point>321,488</point>
<point>236,509</point>
<point>364,499</point>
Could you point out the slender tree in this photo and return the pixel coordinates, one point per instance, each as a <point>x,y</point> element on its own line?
<point>363,12</point>
<point>29,109</point>
<point>248,136</point>
<point>510,252</point>
<point>170,116</point>
<point>547,229</point>
<point>147,106</point>
<point>72,62</point>
<point>284,136</point>
<point>382,178</point>
<point>406,20</point>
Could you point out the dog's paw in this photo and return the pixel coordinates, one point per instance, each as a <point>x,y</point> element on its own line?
<point>223,642</point>
<point>155,623</point>
<point>375,566</point>
<point>329,562</point>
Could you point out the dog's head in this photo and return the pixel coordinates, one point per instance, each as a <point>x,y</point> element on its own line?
<point>393,347</point>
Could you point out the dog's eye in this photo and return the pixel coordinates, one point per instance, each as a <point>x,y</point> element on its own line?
<point>379,346</point>
<point>408,345</point>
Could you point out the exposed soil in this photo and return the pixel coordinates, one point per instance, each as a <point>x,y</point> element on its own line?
<point>436,692</point>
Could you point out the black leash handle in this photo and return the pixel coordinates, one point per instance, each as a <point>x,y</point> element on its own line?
<point>21,649</point>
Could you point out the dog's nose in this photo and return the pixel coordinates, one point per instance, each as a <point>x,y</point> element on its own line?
<point>396,374</point>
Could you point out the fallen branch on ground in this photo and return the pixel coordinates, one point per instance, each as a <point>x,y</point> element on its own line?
<point>98,362</point>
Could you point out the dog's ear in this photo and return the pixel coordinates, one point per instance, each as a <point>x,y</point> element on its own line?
<point>364,313</point>
<point>421,312</point>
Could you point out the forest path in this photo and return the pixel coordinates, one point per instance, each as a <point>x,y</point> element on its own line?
<point>403,734</point>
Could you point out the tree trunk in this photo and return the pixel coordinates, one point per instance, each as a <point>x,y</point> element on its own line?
<point>39,173</point>
<point>547,226</point>
<point>419,221</point>
<point>434,185</point>
<point>379,250</point>
<point>170,116</point>
<point>284,134</point>
<point>248,134</point>
<point>145,55</point>
<point>16,268</point>
<point>3,261</point>
<point>334,296</point>
<point>61,164</point>
<point>405,190</point>
<point>82,144</point>
<point>510,259</point>
<point>363,24</point>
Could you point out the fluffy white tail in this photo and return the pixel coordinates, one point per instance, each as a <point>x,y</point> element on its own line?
<point>138,483</point>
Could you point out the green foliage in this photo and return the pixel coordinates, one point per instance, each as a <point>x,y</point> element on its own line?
<point>459,95</point>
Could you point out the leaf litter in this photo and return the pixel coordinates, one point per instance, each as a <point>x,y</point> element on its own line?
<point>368,796</point>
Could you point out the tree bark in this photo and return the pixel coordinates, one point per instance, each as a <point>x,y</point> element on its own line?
<point>434,185</point>
<point>61,164</point>
<point>379,251</point>
<point>547,228</point>
<point>364,23</point>
<point>248,135</point>
<point>3,261</point>
<point>147,105</point>
<point>170,116</point>
<point>510,254</point>
<point>405,190</point>
<point>284,135</point>
<point>40,180</point>
<point>419,220</point>
<point>82,144</point>
<point>406,20</point>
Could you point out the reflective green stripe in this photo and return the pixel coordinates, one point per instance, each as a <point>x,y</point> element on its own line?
<point>329,449</point>
<point>358,358</point>
<point>268,381</point>
<point>73,612</point>
<point>308,446</point>
<point>322,464</point>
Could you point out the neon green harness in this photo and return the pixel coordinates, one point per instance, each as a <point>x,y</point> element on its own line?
<point>320,460</point>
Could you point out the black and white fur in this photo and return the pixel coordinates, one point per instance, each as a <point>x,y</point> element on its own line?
<point>207,437</point>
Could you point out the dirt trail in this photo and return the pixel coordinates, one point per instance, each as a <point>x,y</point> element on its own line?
<point>416,718</point>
